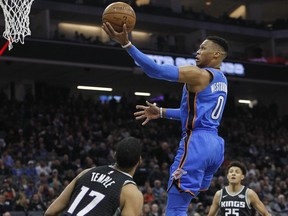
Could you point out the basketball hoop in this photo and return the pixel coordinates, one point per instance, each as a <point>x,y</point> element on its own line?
<point>16,14</point>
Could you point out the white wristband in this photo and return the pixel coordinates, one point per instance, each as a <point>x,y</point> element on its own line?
<point>161,112</point>
<point>127,45</point>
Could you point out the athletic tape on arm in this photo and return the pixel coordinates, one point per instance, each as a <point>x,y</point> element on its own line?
<point>152,69</point>
<point>172,114</point>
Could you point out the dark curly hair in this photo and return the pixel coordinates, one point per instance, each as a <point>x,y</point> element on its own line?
<point>237,164</point>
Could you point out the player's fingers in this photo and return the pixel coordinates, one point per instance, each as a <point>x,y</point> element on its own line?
<point>140,117</point>
<point>104,27</point>
<point>150,104</point>
<point>107,30</point>
<point>110,28</point>
<point>138,113</point>
<point>145,122</point>
<point>141,107</point>
<point>125,28</point>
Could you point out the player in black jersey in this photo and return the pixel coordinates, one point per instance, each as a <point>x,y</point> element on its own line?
<point>105,190</point>
<point>236,199</point>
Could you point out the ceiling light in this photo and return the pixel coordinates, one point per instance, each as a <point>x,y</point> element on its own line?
<point>147,94</point>
<point>94,88</point>
<point>239,12</point>
<point>208,2</point>
<point>244,101</point>
<point>250,103</point>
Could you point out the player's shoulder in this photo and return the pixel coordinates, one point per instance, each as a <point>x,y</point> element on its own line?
<point>217,196</point>
<point>84,172</point>
<point>250,192</point>
<point>131,191</point>
<point>252,195</point>
<point>216,74</point>
<point>219,192</point>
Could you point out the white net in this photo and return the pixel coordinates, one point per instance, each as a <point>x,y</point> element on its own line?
<point>16,14</point>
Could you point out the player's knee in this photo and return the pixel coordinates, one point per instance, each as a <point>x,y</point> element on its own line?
<point>179,211</point>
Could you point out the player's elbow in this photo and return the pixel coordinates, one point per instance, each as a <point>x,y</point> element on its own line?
<point>49,213</point>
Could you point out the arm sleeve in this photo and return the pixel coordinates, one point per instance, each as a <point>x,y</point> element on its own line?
<point>152,69</point>
<point>174,114</point>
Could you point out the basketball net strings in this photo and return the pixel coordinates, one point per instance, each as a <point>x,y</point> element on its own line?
<point>4,48</point>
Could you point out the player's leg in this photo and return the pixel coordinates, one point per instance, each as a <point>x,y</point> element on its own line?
<point>177,203</point>
<point>218,158</point>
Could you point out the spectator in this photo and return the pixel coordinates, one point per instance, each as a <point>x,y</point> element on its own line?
<point>148,195</point>
<point>5,205</point>
<point>3,169</point>
<point>220,183</point>
<point>36,203</point>
<point>67,164</point>
<point>42,152</point>
<point>31,171</point>
<point>44,191</point>
<point>21,203</point>
<point>155,174</point>
<point>8,191</point>
<point>55,182</point>
<point>56,164</point>
<point>191,209</point>
<point>281,206</point>
<point>7,158</point>
<point>155,210</point>
<point>17,169</point>
<point>42,167</point>
<point>158,190</point>
<point>7,214</point>
<point>70,175</point>
<point>146,210</point>
<point>31,188</point>
<point>162,154</point>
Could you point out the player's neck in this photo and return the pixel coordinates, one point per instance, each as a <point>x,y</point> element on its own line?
<point>129,171</point>
<point>234,188</point>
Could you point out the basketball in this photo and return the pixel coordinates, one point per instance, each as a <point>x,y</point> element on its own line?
<point>119,13</point>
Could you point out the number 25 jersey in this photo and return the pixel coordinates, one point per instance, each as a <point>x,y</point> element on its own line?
<point>235,204</point>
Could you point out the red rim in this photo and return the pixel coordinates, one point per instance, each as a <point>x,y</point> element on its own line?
<point>4,48</point>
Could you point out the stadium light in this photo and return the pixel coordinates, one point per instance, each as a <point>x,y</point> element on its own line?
<point>250,103</point>
<point>94,88</point>
<point>244,101</point>
<point>147,94</point>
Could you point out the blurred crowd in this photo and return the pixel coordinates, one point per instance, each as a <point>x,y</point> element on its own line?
<point>46,142</point>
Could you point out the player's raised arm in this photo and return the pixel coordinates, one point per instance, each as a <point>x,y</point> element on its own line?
<point>194,76</point>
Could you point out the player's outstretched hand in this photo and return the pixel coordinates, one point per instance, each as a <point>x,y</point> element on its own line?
<point>149,112</point>
<point>120,37</point>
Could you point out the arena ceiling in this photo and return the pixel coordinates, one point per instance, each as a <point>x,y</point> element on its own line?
<point>129,80</point>
<point>270,9</point>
